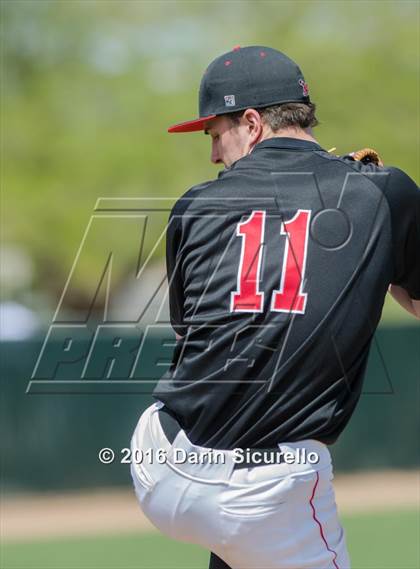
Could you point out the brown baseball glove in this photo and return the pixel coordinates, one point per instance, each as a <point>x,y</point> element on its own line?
<point>367,156</point>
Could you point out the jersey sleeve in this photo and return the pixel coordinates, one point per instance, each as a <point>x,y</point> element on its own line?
<point>173,269</point>
<point>403,196</point>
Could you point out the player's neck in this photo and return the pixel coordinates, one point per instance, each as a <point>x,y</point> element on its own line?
<point>290,132</point>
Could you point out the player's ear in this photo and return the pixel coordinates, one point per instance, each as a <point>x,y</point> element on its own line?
<point>254,124</point>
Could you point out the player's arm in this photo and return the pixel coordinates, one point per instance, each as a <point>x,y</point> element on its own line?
<point>403,196</point>
<point>403,298</point>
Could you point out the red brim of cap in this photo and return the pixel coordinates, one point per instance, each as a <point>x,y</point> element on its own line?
<point>191,126</point>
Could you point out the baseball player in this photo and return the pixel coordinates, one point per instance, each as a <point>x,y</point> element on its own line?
<point>277,272</point>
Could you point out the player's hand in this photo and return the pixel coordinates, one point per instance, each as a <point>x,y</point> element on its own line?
<point>403,298</point>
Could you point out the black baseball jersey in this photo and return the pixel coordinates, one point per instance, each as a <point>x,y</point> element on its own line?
<point>278,271</point>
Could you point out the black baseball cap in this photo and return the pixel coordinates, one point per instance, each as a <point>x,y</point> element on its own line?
<point>246,77</point>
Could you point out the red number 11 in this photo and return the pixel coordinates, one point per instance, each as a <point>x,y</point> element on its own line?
<point>289,297</point>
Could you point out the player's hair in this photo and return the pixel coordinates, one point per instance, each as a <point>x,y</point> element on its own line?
<point>300,115</point>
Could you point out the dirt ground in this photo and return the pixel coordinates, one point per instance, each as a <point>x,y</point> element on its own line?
<point>116,511</point>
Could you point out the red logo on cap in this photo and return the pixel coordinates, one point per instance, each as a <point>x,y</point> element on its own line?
<point>305,88</point>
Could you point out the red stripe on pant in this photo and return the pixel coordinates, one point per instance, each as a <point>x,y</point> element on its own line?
<point>321,531</point>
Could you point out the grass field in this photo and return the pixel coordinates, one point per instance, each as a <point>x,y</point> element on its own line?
<point>389,540</point>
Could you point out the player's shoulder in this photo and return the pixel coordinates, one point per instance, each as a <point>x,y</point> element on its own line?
<point>210,192</point>
<point>366,167</point>
<point>389,179</point>
<point>394,183</point>
<point>347,162</point>
<point>400,180</point>
<point>187,198</point>
<point>401,191</point>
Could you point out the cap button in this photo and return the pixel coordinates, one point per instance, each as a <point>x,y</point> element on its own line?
<point>236,48</point>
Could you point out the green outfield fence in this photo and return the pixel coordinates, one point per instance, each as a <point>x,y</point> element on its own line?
<point>50,441</point>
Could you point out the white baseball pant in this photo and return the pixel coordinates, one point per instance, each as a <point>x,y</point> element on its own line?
<point>276,516</point>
